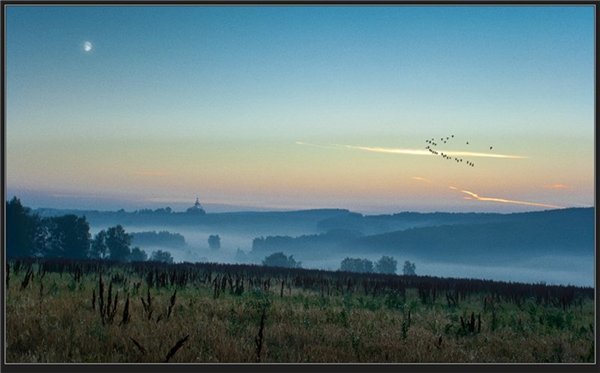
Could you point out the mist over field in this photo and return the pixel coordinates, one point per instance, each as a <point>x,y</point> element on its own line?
<point>552,246</point>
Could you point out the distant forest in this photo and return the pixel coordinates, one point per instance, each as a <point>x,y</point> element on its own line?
<point>162,238</point>
<point>67,236</point>
<point>474,238</point>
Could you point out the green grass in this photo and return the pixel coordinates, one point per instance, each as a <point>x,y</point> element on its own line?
<point>52,320</point>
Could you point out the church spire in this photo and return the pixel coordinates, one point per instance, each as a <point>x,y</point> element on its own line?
<point>197,208</point>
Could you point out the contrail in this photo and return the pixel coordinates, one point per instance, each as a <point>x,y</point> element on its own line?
<point>315,145</point>
<point>366,148</point>
<point>426,152</point>
<point>386,150</point>
<point>502,200</point>
<point>408,151</point>
<point>419,178</point>
<point>483,155</point>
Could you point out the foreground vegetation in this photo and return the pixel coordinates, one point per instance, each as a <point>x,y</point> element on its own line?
<point>97,311</point>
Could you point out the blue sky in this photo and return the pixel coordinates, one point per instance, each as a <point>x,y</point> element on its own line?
<point>177,101</point>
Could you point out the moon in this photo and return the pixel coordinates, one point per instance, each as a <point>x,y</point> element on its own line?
<point>87,46</point>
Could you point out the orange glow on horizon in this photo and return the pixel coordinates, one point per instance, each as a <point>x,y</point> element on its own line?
<point>556,186</point>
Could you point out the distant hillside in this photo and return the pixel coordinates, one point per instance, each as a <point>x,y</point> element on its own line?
<point>307,243</point>
<point>459,237</point>
<point>303,220</point>
<point>375,224</point>
<point>456,237</point>
<point>569,231</point>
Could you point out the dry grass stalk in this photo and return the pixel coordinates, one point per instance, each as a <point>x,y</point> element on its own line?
<point>469,325</point>
<point>28,278</point>
<point>216,289</point>
<point>147,304</point>
<point>109,297</point>
<point>112,312</point>
<point>172,303</point>
<point>101,299</point>
<point>439,343</point>
<point>258,340</point>
<point>176,348</point>
<point>126,316</point>
<point>139,346</point>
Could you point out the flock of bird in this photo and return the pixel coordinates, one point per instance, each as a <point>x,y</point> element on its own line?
<point>432,142</point>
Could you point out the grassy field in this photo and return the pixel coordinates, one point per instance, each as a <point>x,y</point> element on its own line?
<point>60,311</point>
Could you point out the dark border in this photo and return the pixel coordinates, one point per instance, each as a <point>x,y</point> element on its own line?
<point>494,367</point>
<point>302,2</point>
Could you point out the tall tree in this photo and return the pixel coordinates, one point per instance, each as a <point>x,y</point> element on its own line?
<point>69,237</point>
<point>214,241</point>
<point>281,260</point>
<point>387,265</point>
<point>357,265</point>
<point>161,256</point>
<point>21,229</point>
<point>409,268</point>
<point>138,255</point>
<point>98,249</point>
<point>118,243</point>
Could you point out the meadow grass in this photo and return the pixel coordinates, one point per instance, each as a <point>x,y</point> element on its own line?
<point>55,319</point>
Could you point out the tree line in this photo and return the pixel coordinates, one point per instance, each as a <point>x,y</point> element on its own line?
<point>68,236</point>
<point>385,265</point>
<point>162,238</point>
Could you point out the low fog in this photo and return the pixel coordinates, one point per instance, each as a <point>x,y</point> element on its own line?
<point>571,267</point>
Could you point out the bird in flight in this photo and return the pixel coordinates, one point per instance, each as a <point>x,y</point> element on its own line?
<point>445,140</point>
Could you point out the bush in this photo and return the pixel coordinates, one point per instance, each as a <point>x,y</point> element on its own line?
<point>118,242</point>
<point>409,268</point>
<point>386,265</point>
<point>161,256</point>
<point>214,241</point>
<point>138,255</point>
<point>357,265</point>
<point>281,260</point>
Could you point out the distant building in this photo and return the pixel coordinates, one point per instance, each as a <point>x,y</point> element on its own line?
<point>196,209</point>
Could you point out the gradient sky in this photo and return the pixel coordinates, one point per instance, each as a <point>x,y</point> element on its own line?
<point>300,107</point>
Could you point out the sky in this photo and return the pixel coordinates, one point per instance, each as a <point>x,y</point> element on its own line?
<point>295,107</point>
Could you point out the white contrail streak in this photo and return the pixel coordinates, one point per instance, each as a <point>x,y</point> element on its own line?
<point>503,200</point>
<point>426,152</point>
<point>419,178</point>
<point>315,145</point>
<point>408,151</point>
<point>483,155</point>
<point>386,150</point>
